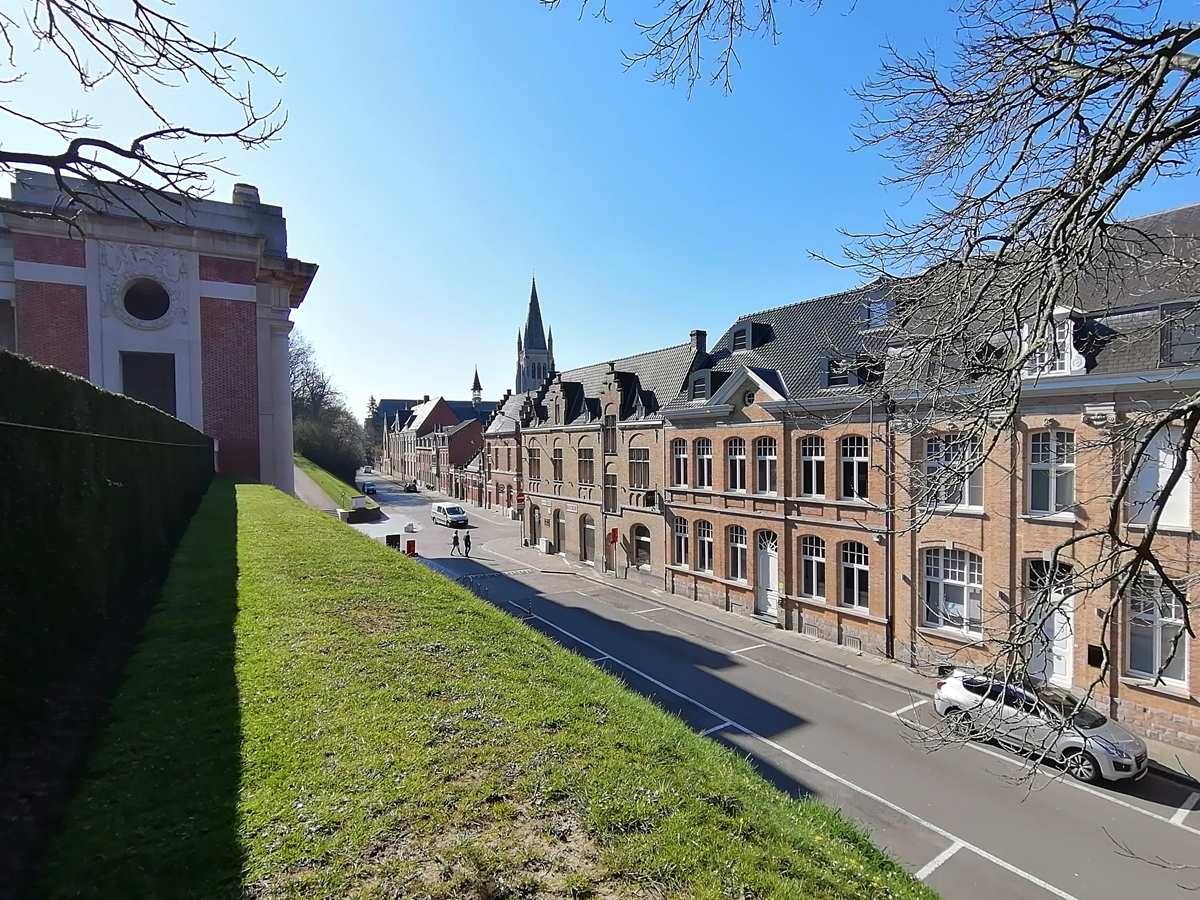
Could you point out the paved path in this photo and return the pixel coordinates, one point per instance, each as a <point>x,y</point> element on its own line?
<point>310,492</point>
<point>819,721</point>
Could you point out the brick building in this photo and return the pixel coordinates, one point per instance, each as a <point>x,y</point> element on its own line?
<point>191,316</point>
<point>428,440</point>
<point>753,474</point>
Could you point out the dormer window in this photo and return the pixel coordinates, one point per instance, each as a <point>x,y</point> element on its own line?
<point>1057,355</point>
<point>839,374</point>
<point>699,388</point>
<point>739,340</point>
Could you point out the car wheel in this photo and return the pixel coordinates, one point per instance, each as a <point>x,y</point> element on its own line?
<point>1082,766</point>
<point>959,723</point>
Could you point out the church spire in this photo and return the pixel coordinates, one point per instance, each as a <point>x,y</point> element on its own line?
<point>535,333</point>
<point>476,388</point>
<point>535,358</point>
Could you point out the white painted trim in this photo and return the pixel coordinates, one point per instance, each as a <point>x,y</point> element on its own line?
<point>734,383</point>
<point>48,273</point>
<point>226,290</point>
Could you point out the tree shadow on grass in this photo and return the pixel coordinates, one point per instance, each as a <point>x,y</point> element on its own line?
<point>155,814</point>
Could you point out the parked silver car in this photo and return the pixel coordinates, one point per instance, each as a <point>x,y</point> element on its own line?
<point>1041,719</point>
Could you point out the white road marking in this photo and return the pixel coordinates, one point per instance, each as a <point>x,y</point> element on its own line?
<point>979,851</point>
<point>601,658</point>
<point>715,728</point>
<point>930,867</point>
<point>1175,820</point>
<point>748,649</point>
<point>1188,805</point>
<point>638,612</point>
<point>902,710</point>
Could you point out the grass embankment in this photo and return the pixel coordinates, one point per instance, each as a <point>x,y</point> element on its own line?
<point>331,484</point>
<point>313,715</point>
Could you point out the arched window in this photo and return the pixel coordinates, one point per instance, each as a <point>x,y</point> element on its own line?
<point>587,465</point>
<point>535,525</point>
<point>641,545</point>
<point>610,488</point>
<point>736,557</point>
<point>812,567</point>
<point>704,463</point>
<point>954,590</point>
<point>704,546</point>
<point>954,487</point>
<point>812,466</point>
<point>855,575</point>
<point>556,465</point>
<point>735,472</point>
<point>679,462</point>
<point>1051,471</point>
<point>766,461</point>
<point>681,542</point>
<point>639,467</point>
<point>856,456</point>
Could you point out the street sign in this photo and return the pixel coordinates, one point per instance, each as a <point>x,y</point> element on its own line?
<point>612,536</point>
<point>520,498</point>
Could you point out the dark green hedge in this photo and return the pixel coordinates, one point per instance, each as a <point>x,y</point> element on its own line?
<point>85,520</point>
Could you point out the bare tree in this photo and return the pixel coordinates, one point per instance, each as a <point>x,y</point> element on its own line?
<point>145,47</point>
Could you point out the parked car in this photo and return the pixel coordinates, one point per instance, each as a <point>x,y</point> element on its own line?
<point>449,514</point>
<point>367,469</point>
<point>369,487</point>
<point>410,488</point>
<point>1043,719</point>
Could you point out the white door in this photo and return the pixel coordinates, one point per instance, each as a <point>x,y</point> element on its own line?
<point>1051,655</point>
<point>766,574</point>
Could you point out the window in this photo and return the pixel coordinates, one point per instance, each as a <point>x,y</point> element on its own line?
<point>146,300</point>
<point>1181,335</point>
<point>765,465</point>
<point>639,467</point>
<point>681,542</point>
<point>149,377</point>
<point>1157,642</point>
<point>855,459</point>
<point>1051,471</point>
<point>953,590</point>
<point>1153,472</point>
<point>739,340</point>
<point>535,467</point>
<point>704,546</point>
<point>737,552</point>
<point>698,388</point>
<point>610,490</point>
<point>641,545</point>
<point>508,459</point>
<point>838,374</point>
<point>855,572</point>
<point>735,454</point>
<point>812,467</point>
<point>956,487</point>
<point>587,465</point>
<point>704,463</point>
<point>679,462</point>
<point>556,465</point>
<point>609,434</point>
<point>1058,355</point>
<point>812,567</point>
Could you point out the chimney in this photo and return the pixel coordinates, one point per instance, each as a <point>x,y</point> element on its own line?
<point>426,400</point>
<point>245,194</point>
<point>699,341</point>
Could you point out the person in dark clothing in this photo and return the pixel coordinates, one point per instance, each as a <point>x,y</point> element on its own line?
<point>454,545</point>
<point>467,544</point>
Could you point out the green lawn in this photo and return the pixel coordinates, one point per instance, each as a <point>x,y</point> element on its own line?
<point>330,484</point>
<point>312,715</point>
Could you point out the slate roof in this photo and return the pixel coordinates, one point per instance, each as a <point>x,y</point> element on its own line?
<point>788,347</point>
<point>650,380</point>
<point>508,414</point>
<point>466,410</point>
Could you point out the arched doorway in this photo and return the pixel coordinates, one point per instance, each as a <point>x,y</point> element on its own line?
<point>535,526</point>
<point>641,545</point>
<point>560,532</point>
<point>587,539</point>
<point>766,574</point>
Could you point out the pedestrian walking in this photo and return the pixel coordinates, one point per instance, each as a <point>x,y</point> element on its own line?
<point>454,545</point>
<point>467,544</point>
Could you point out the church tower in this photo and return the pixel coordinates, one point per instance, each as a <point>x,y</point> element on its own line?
<point>476,389</point>
<point>535,357</point>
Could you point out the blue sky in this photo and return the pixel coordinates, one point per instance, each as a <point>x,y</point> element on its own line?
<point>438,154</point>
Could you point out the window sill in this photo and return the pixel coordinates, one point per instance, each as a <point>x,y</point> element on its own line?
<point>709,575</point>
<point>1058,518</point>
<point>1175,692</point>
<point>858,613</point>
<point>1162,529</point>
<point>975,512</point>
<point>958,636</point>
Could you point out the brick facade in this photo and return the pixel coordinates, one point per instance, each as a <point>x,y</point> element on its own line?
<point>229,360</point>
<point>52,325</point>
<point>232,271</point>
<point>54,251</point>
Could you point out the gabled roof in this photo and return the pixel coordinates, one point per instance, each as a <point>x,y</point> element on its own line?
<point>649,382</point>
<point>508,415</point>
<point>466,410</point>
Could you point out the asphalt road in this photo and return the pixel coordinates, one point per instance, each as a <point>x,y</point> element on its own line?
<point>959,818</point>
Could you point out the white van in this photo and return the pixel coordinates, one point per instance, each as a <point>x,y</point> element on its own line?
<point>449,514</point>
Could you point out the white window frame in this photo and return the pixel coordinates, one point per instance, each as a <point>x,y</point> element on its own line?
<point>735,465</point>
<point>704,546</point>
<point>1052,452</point>
<point>1150,606</point>
<point>958,451</point>
<point>681,542</point>
<point>1154,470</point>
<point>1059,356</point>
<point>856,468</point>
<point>812,466</point>
<point>953,578</point>
<point>679,462</point>
<point>735,556</point>
<point>766,465</point>
<point>856,575</point>
<point>704,463</point>
<point>813,582</point>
